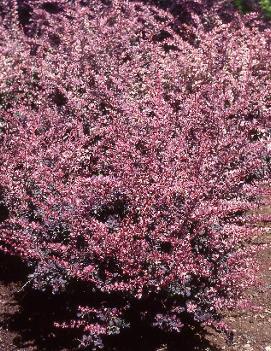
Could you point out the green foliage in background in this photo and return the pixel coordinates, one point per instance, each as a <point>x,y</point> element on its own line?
<point>248,5</point>
<point>242,5</point>
<point>266,7</point>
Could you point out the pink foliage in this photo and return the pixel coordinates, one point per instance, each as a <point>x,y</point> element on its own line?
<point>133,144</point>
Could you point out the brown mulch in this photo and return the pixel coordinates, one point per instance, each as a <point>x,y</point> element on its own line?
<point>25,321</point>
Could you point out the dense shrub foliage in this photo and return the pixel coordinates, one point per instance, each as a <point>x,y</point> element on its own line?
<point>134,140</point>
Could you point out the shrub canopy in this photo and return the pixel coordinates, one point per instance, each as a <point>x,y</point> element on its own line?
<point>134,141</point>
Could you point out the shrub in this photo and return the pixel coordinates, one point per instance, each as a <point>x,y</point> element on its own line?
<point>134,141</point>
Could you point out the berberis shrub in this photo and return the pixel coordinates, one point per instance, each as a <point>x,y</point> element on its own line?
<point>134,148</point>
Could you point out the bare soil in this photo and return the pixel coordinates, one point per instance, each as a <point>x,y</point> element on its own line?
<point>26,318</point>
<point>252,330</point>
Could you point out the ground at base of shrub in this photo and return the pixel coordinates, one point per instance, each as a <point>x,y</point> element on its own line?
<point>252,329</point>
<point>22,327</point>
